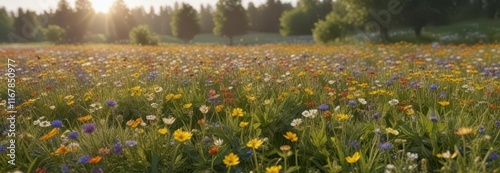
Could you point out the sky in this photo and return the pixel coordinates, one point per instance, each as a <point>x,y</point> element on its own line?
<point>103,5</point>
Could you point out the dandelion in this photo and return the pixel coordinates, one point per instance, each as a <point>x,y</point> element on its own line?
<point>231,160</point>
<point>237,112</point>
<point>273,169</point>
<point>163,131</point>
<point>342,117</point>
<point>296,122</point>
<point>444,103</point>
<point>243,124</point>
<point>354,158</point>
<point>462,131</point>
<point>291,136</point>
<point>219,108</point>
<point>187,105</point>
<point>182,136</point>
<point>254,143</point>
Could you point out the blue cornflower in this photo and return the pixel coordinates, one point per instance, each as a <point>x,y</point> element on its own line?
<point>433,87</point>
<point>385,146</point>
<point>497,123</point>
<point>323,107</point>
<point>482,130</point>
<point>84,159</point>
<point>353,143</point>
<point>2,149</point>
<point>65,168</point>
<point>111,103</point>
<point>57,123</point>
<point>492,156</point>
<point>376,115</point>
<point>352,102</point>
<point>73,135</point>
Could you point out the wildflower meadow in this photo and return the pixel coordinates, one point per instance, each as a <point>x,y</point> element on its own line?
<point>269,108</point>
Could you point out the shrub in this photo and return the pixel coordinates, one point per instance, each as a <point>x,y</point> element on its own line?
<point>54,33</point>
<point>143,36</point>
<point>328,30</point>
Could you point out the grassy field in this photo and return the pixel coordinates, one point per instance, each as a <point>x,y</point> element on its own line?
<point>268,108</point>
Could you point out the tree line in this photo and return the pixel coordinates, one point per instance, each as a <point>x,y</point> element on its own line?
<point>326,20</point>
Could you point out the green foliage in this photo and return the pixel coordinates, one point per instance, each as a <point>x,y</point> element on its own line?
<point>206,19</point>
<point>39,34</point>
<point>5,25</point>
<point>185,23</point>
<point>143,35</point>
<point>54,33</point>
<point>329,30</point>
<point>301,20</point>
<point>230,19</point>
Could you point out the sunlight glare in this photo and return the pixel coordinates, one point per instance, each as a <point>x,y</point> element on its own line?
<point>102,5</point>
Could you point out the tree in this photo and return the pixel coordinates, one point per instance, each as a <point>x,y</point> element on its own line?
<point>300,21</point>
<point>24,25</point>
<point>421,13</point>
<point>206,22</point>
<point>254,17</point>
<point>185,23</point>
<point>82,18</point>
<point>63,14</point>
<point>230,19</point>
<point>492,8</point>
<point>143,36</point>
<point>6,23</point>
<point>119,21</point>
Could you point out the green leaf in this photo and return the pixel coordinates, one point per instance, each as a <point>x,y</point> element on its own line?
<point>293,169</point>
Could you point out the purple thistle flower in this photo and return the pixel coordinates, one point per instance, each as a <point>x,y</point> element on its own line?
<point>88,128</point>
<point>65,169</point>
<point>497,123</point>
<point>111,103</point>
<point>376,116</point>
<point>353,143</point>
<point>97,170</point>
<point>118,149</point>
<point>84,159</point>
<point>57,123</point>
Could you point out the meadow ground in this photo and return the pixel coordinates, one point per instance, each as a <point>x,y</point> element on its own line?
<point>268,108</point>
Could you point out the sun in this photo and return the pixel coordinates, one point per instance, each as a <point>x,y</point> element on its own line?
<point>102,5</point>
